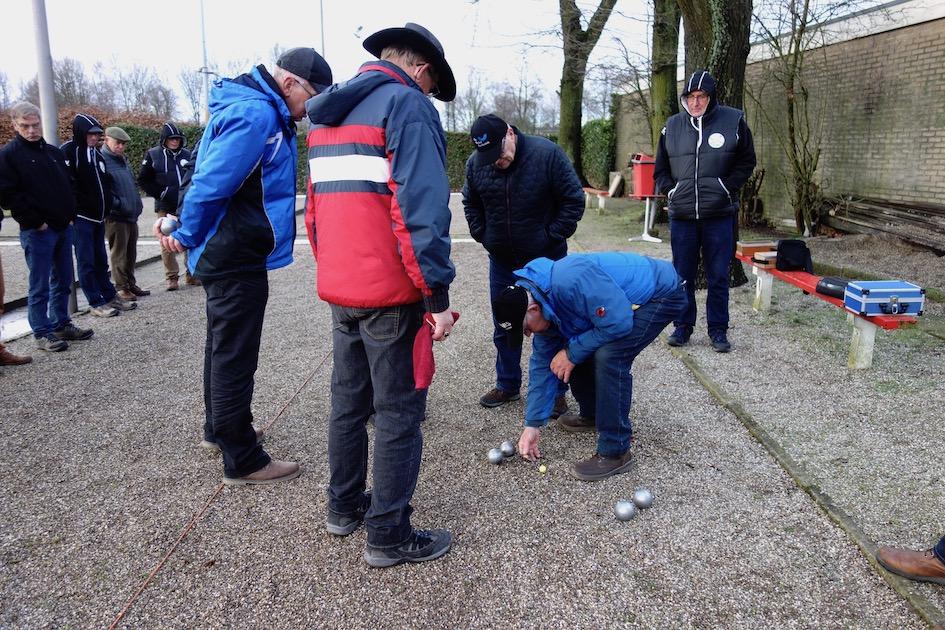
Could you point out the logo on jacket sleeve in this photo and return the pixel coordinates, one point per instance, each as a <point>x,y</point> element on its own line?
<point>601,311</point>
<point>716,140</point>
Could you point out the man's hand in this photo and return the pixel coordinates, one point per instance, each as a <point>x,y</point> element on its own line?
<point>561,365</point>
<point>167,242</point>
<point>442,324</point>
<point>528,444</point>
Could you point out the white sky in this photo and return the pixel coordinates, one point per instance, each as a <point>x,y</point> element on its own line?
<point>497,37</point>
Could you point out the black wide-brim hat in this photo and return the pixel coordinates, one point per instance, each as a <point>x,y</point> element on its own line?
<point>423,41</point>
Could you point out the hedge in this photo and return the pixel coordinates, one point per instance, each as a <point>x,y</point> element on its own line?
<point>598,151</point>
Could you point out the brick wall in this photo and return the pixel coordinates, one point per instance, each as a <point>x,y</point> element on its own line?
<point>877,102</point>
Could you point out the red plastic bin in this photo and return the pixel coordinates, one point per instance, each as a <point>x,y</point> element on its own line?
<point>643,167</point>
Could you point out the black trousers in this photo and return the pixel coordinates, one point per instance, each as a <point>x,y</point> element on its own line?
<point>236,307</point>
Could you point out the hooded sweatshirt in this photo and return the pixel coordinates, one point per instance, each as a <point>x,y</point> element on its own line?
<point>93,185</point>
<point>378,200</point>
<point>162,169</point>
<point>702,161</point>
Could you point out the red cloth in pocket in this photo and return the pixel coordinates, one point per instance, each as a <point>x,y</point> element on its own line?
<point>424,365</point>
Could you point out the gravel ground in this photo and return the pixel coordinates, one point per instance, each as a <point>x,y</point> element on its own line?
<point>102,473</point>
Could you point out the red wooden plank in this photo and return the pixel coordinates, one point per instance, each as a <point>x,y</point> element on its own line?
<point>808,282</point>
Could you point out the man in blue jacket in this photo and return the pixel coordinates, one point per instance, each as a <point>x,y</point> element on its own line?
<point>705,154</point>
<point>591,315</point>
<point>522,200</point>
<point>238,222</point>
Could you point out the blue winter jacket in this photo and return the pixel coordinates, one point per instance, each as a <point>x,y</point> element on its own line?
<point>238,214</point>
<point>588,299</point>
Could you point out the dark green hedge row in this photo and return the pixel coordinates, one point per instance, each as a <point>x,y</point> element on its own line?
<point>598,151</point>
<point>143,138</point>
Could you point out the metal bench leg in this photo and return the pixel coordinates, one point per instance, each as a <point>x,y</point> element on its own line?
<point>762,290</point>
<point>861,346</point>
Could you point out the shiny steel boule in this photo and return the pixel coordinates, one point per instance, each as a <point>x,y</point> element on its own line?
<point>625,510</point>
<point>495,456</point>
<point>168,225</point>
<point>642,498</point>
<point>507,448</point>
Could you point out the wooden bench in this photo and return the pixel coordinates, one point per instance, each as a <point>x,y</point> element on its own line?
<point>864,328</point>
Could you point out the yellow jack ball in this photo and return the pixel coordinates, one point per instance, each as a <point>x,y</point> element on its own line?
<point>543,469</point>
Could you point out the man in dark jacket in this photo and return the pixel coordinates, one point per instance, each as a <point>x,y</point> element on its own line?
<point>705,154</point>
<point>35,185</point>
<point>121,224</point>
<point>378,220</point>
<point>94,200</point>
<point>238,222</point>
<point>522,200</point>
<point>160,176</point>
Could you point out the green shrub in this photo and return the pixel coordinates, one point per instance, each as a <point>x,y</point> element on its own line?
<point>598,150</point>
<point>143,138</point>
<point>458,148</point>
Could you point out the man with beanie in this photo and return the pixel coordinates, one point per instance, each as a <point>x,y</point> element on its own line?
<point>94,195</point>
<point>378,220</point>
<point>705,154</point>
<point>591,315</point>
<point>522,200</point>
<point>35,185</point>
<point>121,224</point>
<point>238,222</point>
<point>160,177</point>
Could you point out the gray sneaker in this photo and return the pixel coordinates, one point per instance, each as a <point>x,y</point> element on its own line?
<point>422,546</point>
<point>104,310</point>
<point>71,332</point>
<point>344,524</point>
<point>51,343</point>
<point>122,305</point>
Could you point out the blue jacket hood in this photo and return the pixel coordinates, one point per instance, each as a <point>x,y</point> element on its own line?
<point>536,278</point>
<point>254,85</point>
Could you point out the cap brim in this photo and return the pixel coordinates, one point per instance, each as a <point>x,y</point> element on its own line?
<point>377,42</point>
<point>489,156</point>
<point>95,130</point>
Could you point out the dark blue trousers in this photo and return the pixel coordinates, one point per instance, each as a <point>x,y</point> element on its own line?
<point>940,549</point>
<point>714,239</point>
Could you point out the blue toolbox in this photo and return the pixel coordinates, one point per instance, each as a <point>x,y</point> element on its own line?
<point>883,297</point>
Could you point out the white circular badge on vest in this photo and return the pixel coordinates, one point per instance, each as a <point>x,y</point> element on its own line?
<point>716,140</point>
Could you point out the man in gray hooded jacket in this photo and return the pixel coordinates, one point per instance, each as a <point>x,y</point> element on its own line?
<point>121,224</point>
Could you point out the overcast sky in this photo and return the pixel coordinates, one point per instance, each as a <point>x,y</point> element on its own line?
<point>501,38</point>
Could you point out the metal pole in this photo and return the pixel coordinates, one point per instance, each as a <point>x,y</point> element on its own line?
<point>47,95</point>
<point>321,20</point>
<point>205,110</point>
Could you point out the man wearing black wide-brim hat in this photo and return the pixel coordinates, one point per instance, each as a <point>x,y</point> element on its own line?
<point>378,220</point>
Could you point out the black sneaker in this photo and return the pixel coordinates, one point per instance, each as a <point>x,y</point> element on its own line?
<point>344,524</point>
<point>496,397</point>
<point>720,342</point>
<point>71,332</point>
<point>680,336</point>
<point>422,545</point>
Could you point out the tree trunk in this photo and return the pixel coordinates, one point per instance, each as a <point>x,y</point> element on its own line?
<point>697,22</point>
<point>731,20</point>
<point>664,101</point>
<point>577,46</point>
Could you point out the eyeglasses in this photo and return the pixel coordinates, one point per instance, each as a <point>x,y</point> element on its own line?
<point>699,98</point>
<point>305,89</point>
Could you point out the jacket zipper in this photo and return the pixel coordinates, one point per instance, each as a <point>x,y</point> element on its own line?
<point>508,211</point>
<point>696,183</point>
<point>101,191</point>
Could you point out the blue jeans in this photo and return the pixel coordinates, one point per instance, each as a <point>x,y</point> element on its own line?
<point>714,238</point>
<point>508,361</point>
<point>940,549</point>
<point>92,260</point>
<point>603,385</point>
<point>49,258</point>
<point>236,306</point>
<point>373,372</point>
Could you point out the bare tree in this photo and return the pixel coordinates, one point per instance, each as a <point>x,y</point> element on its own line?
<point>191,82</point>
<point>5,100</point>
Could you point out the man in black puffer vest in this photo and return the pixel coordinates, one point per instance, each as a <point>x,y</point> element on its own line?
<point>705,154</point>
<point>522,200</point>
<point>160,176</point>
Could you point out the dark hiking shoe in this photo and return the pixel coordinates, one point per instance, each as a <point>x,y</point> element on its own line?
<point>51,343</point>
<point>276,471</point>
<point>71,332</point>
<point>561,407</point>
<point>598,467</point>
<point>138,291</point>
<point>720,342</point>
<point>344,524</point>
<point>680,336</point>
<point>577,424</point>
<point>423,545</point>
<point>496,397</point>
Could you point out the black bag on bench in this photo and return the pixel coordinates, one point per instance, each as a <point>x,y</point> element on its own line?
<point>793,255</point>
<point>832,286</point>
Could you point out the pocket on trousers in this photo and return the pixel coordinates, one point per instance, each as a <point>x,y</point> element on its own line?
<point>383,325</point>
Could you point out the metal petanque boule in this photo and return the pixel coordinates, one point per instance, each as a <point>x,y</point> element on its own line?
<point>625,510</point>
<point>168,225</point>
<point>495,456</point>
<point>642,498</point>
<point>507,448</point>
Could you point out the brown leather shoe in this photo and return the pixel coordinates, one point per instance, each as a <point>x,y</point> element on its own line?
<point>922,566</point>
<point>577,424</point>
<point>561,407</point>
<point>8,358</point>
<point>139,291</point>
<point>172,284</point>
<point>128,296</point>
<point>276,471</point>
<point>192,281</point>
<point>597,467</point>
<point>496,397</point>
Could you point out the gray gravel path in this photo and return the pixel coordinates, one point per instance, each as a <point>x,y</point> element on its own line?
<point>102,472</point>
